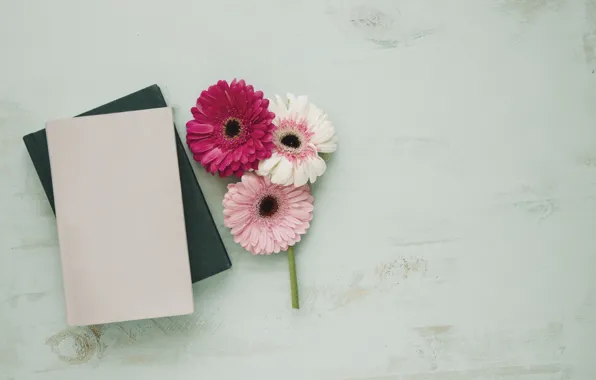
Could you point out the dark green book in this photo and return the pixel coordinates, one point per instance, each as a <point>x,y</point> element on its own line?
<point>206,251</point>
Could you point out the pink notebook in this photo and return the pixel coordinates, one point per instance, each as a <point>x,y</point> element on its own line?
<point>120,217</point>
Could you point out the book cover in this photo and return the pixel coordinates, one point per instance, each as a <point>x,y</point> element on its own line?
<point>119,216</point>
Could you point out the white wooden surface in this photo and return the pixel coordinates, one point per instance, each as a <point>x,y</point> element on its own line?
<point>454,230</point>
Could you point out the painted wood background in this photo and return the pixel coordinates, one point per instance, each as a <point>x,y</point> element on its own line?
<point>454,231</point>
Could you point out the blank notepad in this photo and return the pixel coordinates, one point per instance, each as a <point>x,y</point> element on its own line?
<point>120,217</point>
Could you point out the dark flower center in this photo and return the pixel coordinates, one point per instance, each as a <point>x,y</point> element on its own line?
<point>291,141</point>
<point>268,206</point>
<point>232,128</point>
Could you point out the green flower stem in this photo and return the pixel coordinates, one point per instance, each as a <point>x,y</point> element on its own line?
<point>293,281</point>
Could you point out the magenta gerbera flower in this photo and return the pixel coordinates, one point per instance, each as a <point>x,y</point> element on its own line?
<point>232,128</point>
<point>266,217</point>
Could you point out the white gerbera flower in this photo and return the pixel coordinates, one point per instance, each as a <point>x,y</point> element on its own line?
<point>302,132</point>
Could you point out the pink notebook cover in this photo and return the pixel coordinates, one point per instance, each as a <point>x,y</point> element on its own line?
<point>120,217</point>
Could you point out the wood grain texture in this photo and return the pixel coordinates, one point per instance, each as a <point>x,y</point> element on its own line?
<point>453,236</point>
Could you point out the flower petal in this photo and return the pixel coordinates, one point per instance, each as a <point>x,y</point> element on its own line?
<point>194,126</point>
<point>210,156</point>
<point>244,236</point>
<point>201,146</point>
<point>327,147</point>
<point>301,214</point>
<point>282,174</point>
<point>299,107</point>
<point>251,182</point>
<point>268,164</point>
<point>242,198</point>
<point>315,115</point>
<point>254,235</point>
<point>257,133</point>
<point>307,206</point>
<point>291,99</point>
<point>301,174</point>
<point>238,230</point>
<point>317,168</point>
<point>239,217</point>
<point>302,196</point>
<point>324,133</point>
<point>278,108</point>
<point>269,246</point>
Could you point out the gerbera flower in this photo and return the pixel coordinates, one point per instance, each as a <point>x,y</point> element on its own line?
<point>266,217</point>
<point>302,132</point>
<point>232,128</point>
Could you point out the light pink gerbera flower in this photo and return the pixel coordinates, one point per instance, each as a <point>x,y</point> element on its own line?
<point>266,217</point>
<point>232,128</point>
